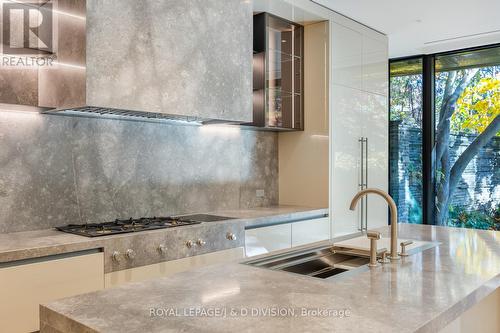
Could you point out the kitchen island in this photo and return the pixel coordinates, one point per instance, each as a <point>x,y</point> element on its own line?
<point>66,264</point>
<point>424,292</point>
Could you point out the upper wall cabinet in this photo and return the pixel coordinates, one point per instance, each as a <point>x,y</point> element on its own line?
<point>347,57</point>
<point>278,73</point>
<point>375,64</point>
<point>189,58</point>
<point>360,58</point>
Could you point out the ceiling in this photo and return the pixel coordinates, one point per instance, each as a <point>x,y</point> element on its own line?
<point>426,26</point>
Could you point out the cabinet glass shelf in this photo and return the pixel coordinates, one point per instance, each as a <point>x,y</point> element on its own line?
<point>277,73</point>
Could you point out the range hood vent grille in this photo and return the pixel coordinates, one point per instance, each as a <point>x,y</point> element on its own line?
<point>98,112</point>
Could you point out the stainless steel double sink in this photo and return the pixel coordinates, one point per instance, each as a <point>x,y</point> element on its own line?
<point>322,262</point>
<point>328,261</point>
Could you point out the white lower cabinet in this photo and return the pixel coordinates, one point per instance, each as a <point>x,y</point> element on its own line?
<point>167,268</point>
<point>310,231</point>
<point>25,286</point>
<point>267,239</point>
<point>285,236</point>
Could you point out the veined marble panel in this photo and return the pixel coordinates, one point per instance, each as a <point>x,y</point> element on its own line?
<point>177,57</point>
<point>57,170</point>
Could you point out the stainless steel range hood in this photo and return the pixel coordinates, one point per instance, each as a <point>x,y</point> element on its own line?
<point>107,113</point>
<point>186,62</point>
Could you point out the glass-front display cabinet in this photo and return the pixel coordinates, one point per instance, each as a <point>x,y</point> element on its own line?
<point>278,73</point>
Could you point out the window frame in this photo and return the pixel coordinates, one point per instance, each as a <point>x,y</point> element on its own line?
<point>428,124</point>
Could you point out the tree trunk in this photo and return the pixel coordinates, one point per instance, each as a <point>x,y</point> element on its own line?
<point>470,152</point>
<point>443,197</point>
<point>448,106</point>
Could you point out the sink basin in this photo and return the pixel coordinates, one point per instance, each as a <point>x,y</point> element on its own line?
<point>322,262</point>
<point>342,258</point>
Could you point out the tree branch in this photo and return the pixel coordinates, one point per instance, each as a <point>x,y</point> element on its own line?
<point>448,108</point>
<point>471,151</point>
<point>447,92</point>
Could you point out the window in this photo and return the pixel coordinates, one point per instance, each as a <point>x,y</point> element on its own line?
<point>405,138</point>
<point>467,139</point>
<point>463,118</point>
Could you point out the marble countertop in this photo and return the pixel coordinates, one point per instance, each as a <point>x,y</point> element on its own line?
<point>420,293</point>
<point>40,243</point>
<point>262,216</point>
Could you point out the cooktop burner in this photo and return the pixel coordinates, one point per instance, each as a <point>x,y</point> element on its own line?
<point>124,226</point>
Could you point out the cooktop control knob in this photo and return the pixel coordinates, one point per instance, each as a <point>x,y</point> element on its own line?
<point>200,242</point>
<point>231,236</point>
<point>162,249</point>
<point>116,256</point>
<point>189,243</point>
<point>130,254</point>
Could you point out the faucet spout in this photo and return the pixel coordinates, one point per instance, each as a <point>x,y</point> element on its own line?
<point>394,216</point>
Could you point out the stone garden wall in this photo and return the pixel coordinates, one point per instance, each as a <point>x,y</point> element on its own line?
<point>480,184</point>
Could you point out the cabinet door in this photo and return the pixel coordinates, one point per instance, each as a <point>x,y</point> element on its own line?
<point>24,287</point>
<point>310,231</point>
<point>347,120</point>
<point>375,64</point>
<point>267,239</point>
<point>347,59</point>
<point>376,130</point>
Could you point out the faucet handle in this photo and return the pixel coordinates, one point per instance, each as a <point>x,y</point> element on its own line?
<point>383,259</point>
<point>403,248</point>
<point>372,234</point>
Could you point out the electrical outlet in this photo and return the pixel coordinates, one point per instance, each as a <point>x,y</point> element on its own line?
<point>260,193</point>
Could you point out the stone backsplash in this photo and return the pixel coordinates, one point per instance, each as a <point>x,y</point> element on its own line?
<point>56,170</point>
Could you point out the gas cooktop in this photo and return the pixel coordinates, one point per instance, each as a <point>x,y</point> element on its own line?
<point>124,226</point>
<point>134,225</point>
